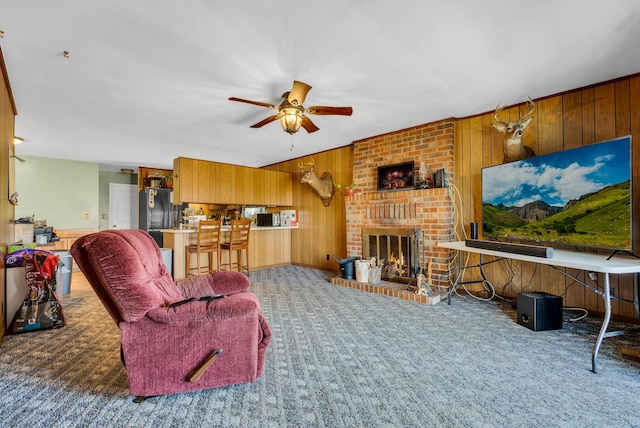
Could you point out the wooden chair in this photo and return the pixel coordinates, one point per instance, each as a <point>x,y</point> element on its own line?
<point>238,241</point>
<point>208,242</point>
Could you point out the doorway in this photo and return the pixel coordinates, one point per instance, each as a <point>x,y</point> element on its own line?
<point>123,206</point>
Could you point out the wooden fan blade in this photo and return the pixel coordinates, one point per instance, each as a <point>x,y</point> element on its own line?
<point>308,125</point>
<point>265,121</point>
<point>324,110</point>
<point>258,103</point>
<point>298,93</point>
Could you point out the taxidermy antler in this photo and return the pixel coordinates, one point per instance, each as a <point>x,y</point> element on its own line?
<point>512,146</point>
<point>322,185</point>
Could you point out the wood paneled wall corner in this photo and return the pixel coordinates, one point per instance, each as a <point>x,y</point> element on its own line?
<point>571,119</point>
<point>322,229</point>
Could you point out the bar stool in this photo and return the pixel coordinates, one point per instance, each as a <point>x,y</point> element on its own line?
<point>238,241</point>
<point>208,243</point>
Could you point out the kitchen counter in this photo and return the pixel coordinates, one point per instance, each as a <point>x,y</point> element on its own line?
<point>227,228</point>
<point>269,246</point>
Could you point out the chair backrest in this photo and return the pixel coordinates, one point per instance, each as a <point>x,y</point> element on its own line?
<point>209,233</point>
<point>240,230</point>
<point>126,270</point>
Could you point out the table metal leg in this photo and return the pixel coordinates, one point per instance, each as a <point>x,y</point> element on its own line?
<point>606,296</point>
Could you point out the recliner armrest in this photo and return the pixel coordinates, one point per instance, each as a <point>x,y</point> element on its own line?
<point>230,307</point>
<point>223,282</point>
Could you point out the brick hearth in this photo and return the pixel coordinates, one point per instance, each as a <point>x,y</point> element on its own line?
<point>386,288</point>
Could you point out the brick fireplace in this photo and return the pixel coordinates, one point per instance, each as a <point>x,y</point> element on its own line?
<point>401,212</point>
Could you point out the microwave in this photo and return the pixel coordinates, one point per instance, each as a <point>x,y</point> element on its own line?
<point>268,219</point>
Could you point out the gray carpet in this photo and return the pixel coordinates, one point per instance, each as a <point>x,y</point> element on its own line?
<point>339,358</point>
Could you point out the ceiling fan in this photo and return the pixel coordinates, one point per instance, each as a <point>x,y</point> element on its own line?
<point>291,113</point>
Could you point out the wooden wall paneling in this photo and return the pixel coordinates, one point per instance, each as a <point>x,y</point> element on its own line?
<point>622,109</point>
<point>588,116</point>
<point>336,216</point>
<point>472,196</point>
<point>318,239</point>
<point>326,216</point>
<point>476,140</point>
<point>572,120</point>
<point>604,110</point>
<point>458,170</point>
<point>462,182</point>
<point>548,124</point>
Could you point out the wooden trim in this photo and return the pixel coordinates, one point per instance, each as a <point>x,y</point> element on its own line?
<point>5,76</point>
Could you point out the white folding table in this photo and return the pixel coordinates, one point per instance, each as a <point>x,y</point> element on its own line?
<point>588,262</point>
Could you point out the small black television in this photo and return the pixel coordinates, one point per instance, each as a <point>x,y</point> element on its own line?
<point>398,176</point>
<point>579,197</point>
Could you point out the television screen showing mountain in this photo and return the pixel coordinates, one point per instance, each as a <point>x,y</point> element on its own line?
<point>579,197</point>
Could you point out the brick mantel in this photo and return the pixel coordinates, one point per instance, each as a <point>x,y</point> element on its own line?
<point>428,209</point>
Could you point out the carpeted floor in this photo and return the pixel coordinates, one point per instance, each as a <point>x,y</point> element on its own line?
<point>338,358</point>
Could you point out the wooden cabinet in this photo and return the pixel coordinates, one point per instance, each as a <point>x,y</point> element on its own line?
<point>146,174</point>
<point>205,182</point>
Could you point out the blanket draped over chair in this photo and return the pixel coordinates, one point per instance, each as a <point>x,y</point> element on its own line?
<point>169,330</point>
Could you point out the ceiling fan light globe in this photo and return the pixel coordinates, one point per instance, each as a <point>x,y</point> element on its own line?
<point>290,119</point>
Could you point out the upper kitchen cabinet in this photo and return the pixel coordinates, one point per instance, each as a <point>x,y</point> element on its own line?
<point>206,182</point>
<point>154,177</point>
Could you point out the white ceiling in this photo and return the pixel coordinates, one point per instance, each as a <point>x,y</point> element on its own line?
<point>148,81</point>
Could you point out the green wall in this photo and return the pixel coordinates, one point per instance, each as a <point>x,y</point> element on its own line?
<point>63,191</point>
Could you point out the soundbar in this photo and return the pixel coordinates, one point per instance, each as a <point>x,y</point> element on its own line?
<point>527,250</point>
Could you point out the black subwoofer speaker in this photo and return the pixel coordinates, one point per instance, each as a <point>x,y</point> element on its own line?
<point>539,311</point>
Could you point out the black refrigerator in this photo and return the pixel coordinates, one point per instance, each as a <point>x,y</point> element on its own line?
<point>156,212</point>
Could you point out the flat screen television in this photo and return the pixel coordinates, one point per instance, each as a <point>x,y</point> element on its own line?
<point>579,197</point>
<point>395,177</point>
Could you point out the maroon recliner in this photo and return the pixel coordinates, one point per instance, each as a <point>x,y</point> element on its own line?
<point>200,332</point>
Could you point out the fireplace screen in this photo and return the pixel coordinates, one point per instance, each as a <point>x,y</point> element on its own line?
<point>397,250</point>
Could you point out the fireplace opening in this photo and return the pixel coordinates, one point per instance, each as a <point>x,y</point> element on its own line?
<point>398,251</point>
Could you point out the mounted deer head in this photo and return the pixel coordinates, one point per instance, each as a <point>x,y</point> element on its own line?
<point>512,146</point>
<point>322,185</point>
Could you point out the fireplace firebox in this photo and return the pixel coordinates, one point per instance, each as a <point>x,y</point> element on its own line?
<point>399,251</point>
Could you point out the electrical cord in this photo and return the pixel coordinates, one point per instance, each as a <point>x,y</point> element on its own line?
<point>458,218</point>
<point>583,316</point>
